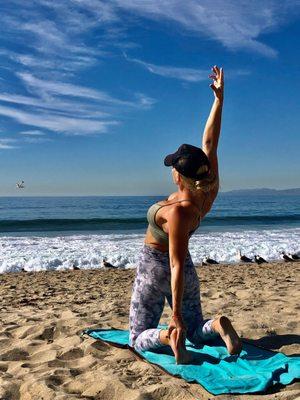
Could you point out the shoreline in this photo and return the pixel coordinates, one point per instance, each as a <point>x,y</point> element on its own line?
<point>34,253</point>
<point>43,356</point>
<point>133,268</point>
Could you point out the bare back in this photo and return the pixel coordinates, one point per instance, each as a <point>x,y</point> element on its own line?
<point>195,206</point>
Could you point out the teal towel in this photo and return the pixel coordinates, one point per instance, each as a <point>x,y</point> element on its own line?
<point>254,370</point>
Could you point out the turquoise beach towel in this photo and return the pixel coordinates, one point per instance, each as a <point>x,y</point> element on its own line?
<point>255,370</point>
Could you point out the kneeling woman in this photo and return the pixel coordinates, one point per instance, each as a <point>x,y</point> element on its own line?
<point>165,268</point>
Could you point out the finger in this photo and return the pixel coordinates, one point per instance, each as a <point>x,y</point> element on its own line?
<point>213,77</point>
<point>216,70</point>
<point>222,75</point>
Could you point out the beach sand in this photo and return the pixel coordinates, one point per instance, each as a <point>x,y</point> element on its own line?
<point>42,355</point>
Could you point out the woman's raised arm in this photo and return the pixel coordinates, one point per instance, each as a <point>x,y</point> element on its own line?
<point>213,125</point>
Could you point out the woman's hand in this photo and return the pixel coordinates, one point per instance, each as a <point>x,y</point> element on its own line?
<point>177,323</point>
<point>218,82</point>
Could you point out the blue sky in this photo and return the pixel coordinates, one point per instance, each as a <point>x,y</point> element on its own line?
<point>94,94</point>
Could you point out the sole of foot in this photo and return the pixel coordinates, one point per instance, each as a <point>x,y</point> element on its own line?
<point>228,334</point>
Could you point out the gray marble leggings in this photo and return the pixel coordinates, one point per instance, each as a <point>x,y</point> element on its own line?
<point>151,286</point>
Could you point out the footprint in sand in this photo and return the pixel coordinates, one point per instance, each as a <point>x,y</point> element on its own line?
<point>53,381</point>
<point>14,355</point>
<point>72,354</point>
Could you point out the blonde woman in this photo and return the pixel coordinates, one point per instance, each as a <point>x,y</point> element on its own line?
<point>165,268</point>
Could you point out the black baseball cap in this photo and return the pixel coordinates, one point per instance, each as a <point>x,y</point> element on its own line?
<point>190,161</point>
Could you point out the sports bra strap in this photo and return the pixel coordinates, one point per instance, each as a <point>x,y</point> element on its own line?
<point>179,201</point>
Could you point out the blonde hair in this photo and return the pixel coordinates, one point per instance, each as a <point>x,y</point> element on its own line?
<point>205,185</point>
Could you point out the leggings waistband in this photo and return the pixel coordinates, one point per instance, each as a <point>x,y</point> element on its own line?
<point>160,256</point>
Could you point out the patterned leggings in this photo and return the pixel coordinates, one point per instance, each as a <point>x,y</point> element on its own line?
<point>151,286</point>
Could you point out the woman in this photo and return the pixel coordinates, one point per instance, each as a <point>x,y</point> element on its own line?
<point>165,268</point>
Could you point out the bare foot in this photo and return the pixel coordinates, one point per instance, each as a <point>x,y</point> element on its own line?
<point>223,326</point>
<point>182,356</point>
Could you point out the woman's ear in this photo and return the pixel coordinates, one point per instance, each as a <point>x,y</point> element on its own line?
<point>176,177</point>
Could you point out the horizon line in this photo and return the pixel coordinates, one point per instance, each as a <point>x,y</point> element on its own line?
<point>140,195</point>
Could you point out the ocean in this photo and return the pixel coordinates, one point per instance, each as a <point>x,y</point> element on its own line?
<point>54,233</point>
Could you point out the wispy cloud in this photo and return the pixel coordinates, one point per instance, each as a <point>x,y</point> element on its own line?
<point>236,24</point>
<point>57,39</point>
<point>32,133</point>
<point>185,74</point>
<point>44,88</point>
<point>55,103</point>
<point>191,75</point>
<point>68,108</point>
<point>58,123</point>
<point>7,144</point>
<point>51,34</point>
<point>53,38</point>
<point>36,140</point>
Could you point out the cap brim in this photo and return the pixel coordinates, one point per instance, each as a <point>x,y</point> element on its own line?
<point>169,160</point>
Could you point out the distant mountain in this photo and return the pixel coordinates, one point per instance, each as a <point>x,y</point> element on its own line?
<point>264,192</point>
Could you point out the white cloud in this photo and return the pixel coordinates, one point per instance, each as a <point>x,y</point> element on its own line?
<point>185,74</point>
<point>55,103</point>
<point>58,123</point>
<point>58,38</point>
<point>32,133</point>
<point>237,24</point>
<point>44,88</point>
<point>59,107</point>
<point>61,39</point>
<point>36,140</point>
<point>6,144</point>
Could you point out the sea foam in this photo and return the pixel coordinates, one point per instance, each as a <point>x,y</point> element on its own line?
<point>37,253</point>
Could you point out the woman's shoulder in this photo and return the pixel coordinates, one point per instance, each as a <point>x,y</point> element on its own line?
<point>168,199</point>
<point>172,196</point>
<point>184,208</point>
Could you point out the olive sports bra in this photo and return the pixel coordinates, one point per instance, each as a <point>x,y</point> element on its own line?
<point>157,232</point>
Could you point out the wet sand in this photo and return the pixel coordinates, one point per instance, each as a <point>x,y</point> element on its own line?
<point>42,355</point>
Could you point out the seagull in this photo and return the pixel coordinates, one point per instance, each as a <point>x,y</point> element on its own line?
<point>106,264</point>
<point>259,260</point>
<point>207,260</point>
<point>75,267</point>
<point>243,258</point>
<point>20,185</point>
<point>286,257</point>
<point>293,256</point>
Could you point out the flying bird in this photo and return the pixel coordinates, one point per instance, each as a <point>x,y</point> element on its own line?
<point>20,185</point>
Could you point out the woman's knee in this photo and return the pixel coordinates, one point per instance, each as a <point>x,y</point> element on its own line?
<point>147,340</point>
<point>203,333</point>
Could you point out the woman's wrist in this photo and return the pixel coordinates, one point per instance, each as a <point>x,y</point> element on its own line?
<point>177,315</point>
<point>219,100</point>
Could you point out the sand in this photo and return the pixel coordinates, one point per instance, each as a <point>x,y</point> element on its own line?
<point>43,356</point>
